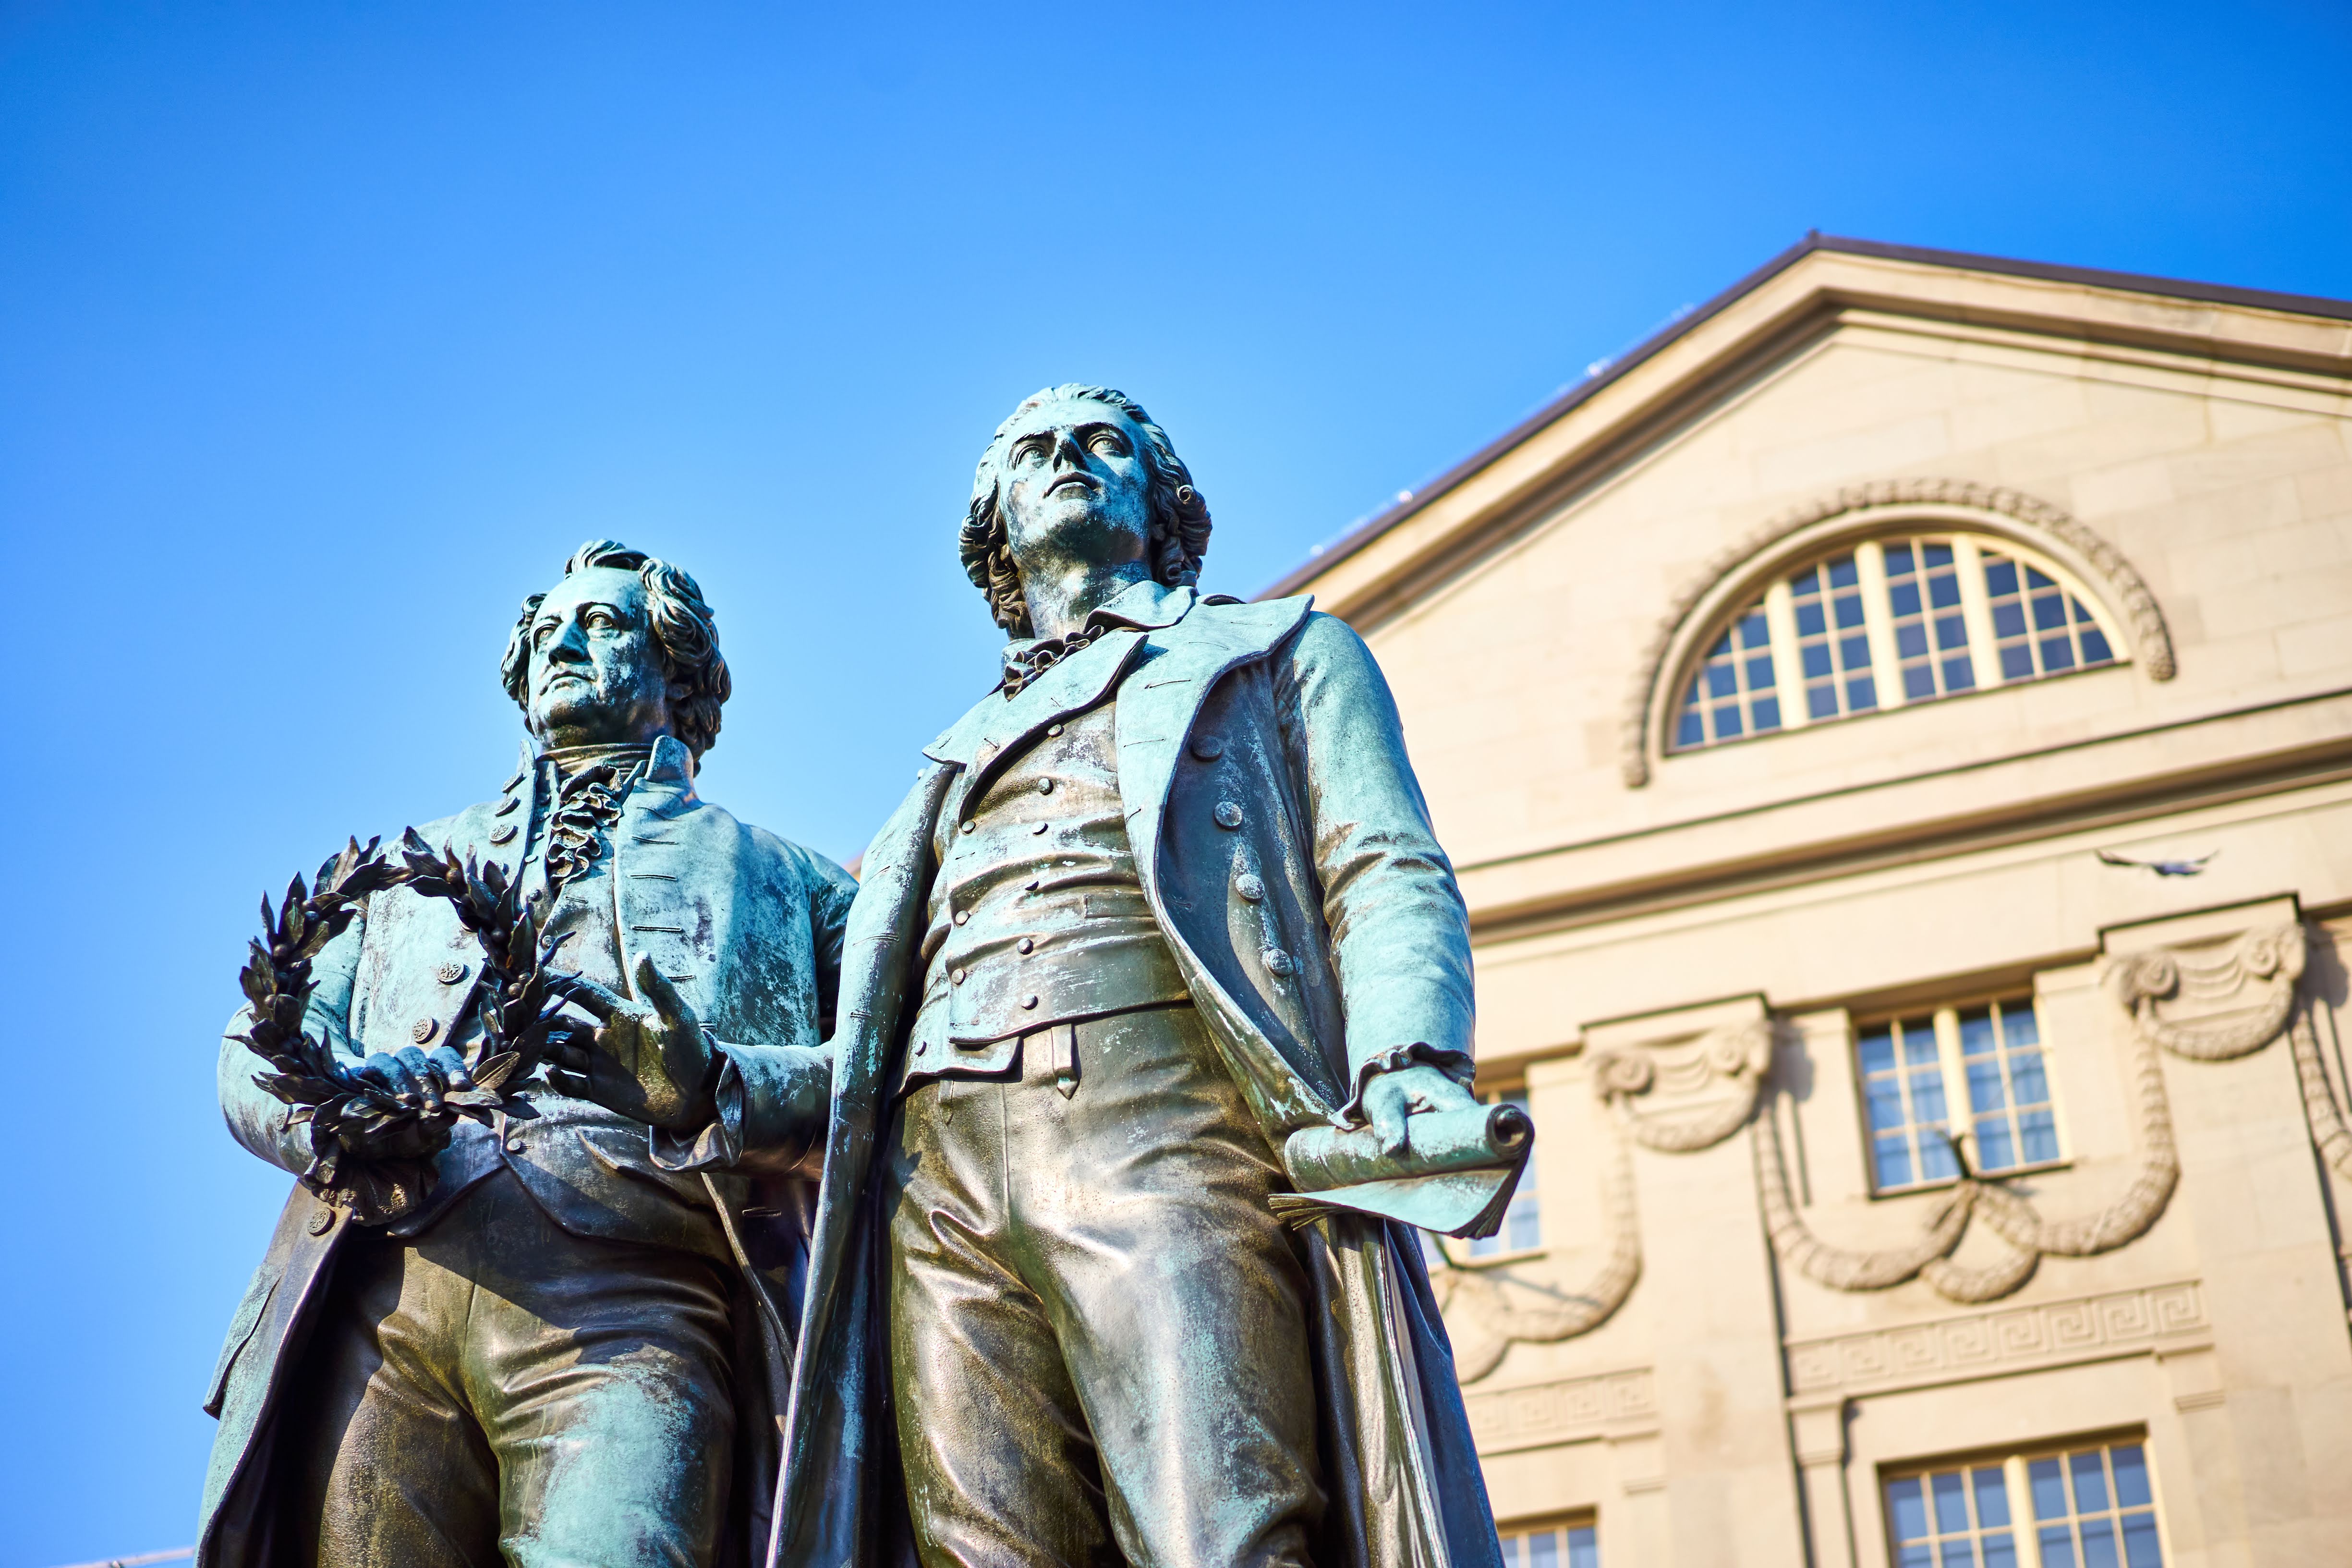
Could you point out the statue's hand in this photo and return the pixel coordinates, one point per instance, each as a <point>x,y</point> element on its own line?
<point>416,1079</point>
<point>649,1059</point>
<point>1393,1097</point>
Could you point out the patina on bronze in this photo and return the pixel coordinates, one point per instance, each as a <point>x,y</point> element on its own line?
<point>565,1337</point>
<point>1165,897</point>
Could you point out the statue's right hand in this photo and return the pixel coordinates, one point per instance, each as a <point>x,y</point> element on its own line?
<point>417,1080</point>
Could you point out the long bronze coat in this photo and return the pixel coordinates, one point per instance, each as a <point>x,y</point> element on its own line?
<point>751,922</point>
<point>1285,714</point>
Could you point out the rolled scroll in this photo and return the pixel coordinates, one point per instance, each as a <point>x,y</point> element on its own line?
<point>1455,1176</point>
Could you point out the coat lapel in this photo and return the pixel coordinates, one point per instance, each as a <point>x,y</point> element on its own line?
<point>1157,704</point>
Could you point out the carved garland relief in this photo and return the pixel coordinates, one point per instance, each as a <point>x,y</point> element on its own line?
<point>2227,1002</point>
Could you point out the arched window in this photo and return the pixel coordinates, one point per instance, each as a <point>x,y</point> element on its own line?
<point>1887,622</point>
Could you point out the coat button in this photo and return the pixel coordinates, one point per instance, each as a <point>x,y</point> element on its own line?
<point>963,917</point>
<point>969,827</point>
<point>1039,828</point>
<point>506,806</point>
<point>1052,729</point>
<point>450,973</point>
<point>514,1145</point>
<point>1026,944</point>
<point>1208,748</point>
<point>424,1029</point>
<point>1029,1002</point>
<point>1277,962</point>
<point>1249,886</point>
<point>956,978</point>
<point>1228,815</point>
<point>322,1220</point>
<point>505,834</point>
<point>1045,786</point>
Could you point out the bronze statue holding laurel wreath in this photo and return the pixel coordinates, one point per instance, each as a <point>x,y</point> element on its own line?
<point>549,1077</point>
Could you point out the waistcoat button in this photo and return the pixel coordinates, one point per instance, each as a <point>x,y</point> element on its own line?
<point>1052,729</point>
<point>514,1145</point>
<point>322,1220</point>
<point>1277,962</point>
<point>424,1029</point>
<point>957,978</point>
<point>971,827</point>
<point>1039,828</point>
<point>963,917</point>
<point>1046,785</point>
<point>506,806</point>
<point>1027,944</point>
<point>1249,886</point>
<point>505,833</point>
<point>1228,815</point>
<point>1208,748</point>
<point>1028,1001</point>
<point>450,973</point>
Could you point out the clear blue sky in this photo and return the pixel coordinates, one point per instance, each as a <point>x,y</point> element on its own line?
<point>327,329</point>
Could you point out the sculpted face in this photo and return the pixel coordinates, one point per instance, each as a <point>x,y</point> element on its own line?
<point>595,672</point>
<point>1075,488</point>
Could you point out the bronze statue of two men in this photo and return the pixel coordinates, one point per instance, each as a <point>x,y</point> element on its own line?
<point>934,1216</point>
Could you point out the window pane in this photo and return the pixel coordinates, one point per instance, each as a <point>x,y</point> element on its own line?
<point>2131,1476</point>
<point>1768,713</point>
<point>2037,1137</point>
<point>1510,1552</point>
<point>1877,1049</point>
<point>1907,1509</point>
<point>1998,1552</point>
<point>1960,674</point>
<point>1935,1162</point>
<point>2000,576</point>
<point>1584,1550</point>
<point>2057,1546</point>
<point>1893,1163</point>
<point>1543,1549</point>
<point>1919,683</point>
<point>1927,1096</point>
<point>2090,1483</point>
<point>1960,1554</point>
<point>1995,1151</point>
<point>1861,694</point>
<point>1984,1086</point>
<point>1809,623</point>
<point>2048,1489</point>
<point>1992,1496</point>
<point>2099,1544</point>
<point>2140,1550</point>
<point>2020,1025</point>
<point>2096,651</point>
<point>1950,1490</point>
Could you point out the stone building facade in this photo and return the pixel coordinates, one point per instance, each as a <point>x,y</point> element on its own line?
<point>1895,730</point>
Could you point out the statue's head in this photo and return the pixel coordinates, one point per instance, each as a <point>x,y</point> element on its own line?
<point>622,651</point>
<point>1079,472</point>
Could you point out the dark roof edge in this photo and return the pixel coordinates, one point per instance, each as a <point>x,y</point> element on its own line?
<point>1388,517</point>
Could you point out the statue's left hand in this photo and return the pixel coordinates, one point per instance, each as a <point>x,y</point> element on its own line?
<point>649,1059</point>
<point>1392,1098</point>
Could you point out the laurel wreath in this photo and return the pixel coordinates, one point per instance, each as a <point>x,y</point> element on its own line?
<point>345,1112</point>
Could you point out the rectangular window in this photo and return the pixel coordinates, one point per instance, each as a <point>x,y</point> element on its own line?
<point>1523,1220</point>
<point>1570,1545</point>
<point>2090,1507</point>
<point>1908,1068</point>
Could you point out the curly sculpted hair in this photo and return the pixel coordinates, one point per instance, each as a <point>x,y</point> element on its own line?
<point>1180,517</point>
<point>684,630</point>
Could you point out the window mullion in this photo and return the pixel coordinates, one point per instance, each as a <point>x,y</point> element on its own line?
<point>2020,1511</point>
<point>1975,612</point>
<point>1878,623</point>
<point>1958,1113</point>
<point>1788,667</point>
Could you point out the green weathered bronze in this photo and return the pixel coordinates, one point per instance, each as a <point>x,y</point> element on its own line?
<point>533,1295</point>
<point>1164,899</point>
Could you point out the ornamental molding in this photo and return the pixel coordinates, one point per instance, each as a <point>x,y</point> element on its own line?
<point>1997,1343</point>
<point>1572,1410</point>
<point>2251,982</point>
<point>1858,510</point>
<point>1676,1083</point>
